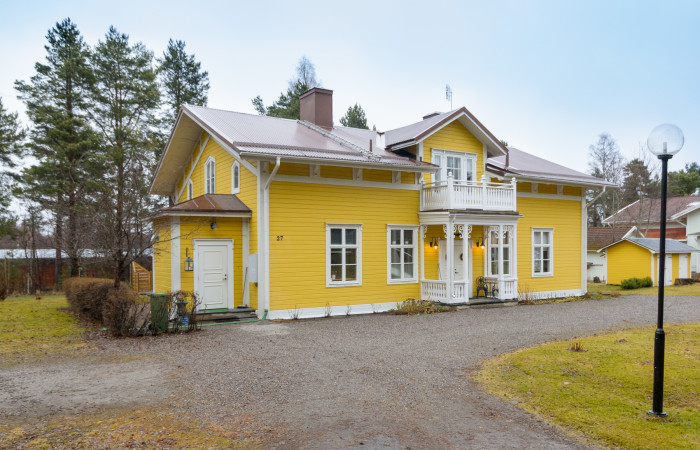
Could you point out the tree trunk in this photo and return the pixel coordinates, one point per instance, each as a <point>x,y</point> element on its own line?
<point>58,269</point>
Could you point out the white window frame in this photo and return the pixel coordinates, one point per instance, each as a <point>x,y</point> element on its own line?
<point>465,157</point>
<point>210,181</point>
<point>389,247</point>
<point>551,251</point>
<point>235,180</point>
<point>358,246</point>
<point>189,189</point>
<point>493,248</point>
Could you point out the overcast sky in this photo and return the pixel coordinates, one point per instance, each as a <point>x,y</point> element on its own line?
<point>547,76</point>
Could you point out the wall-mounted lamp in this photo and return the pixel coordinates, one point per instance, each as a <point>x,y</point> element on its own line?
<point>214,225</point>
<point>434,243</point>
<point>189,264</point>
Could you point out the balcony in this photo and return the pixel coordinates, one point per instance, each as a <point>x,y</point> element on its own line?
<point>479,195</point>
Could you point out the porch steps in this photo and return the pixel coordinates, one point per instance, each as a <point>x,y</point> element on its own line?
<point>482,302</point>
<point>227,315</point>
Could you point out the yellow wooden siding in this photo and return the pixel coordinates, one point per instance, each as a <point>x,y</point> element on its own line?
<point>199,228</point>
<point>454,137</point>
<point>564,216</point>
<point>301,170</point>
<point>298,216</point>
<point>344,173</point>
<point>408,178</point>
<point>676,267</point>
<point>628,260</point>
<point>572,190</point>
<point>377,175</point>
<point>523,187</point>
<point>547,189</point>
<point>161,255</point>
<point>247,194</point>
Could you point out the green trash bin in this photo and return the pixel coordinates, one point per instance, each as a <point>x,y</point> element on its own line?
<point>159,312</point>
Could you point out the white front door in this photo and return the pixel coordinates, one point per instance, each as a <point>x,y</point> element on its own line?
<point>682,266</point>
<point>668,270</point>
<point>214,273</point>
<point>457,261</point>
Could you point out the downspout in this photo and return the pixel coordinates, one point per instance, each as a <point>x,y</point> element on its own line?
<point>272,174</point>
<point>596,197</point>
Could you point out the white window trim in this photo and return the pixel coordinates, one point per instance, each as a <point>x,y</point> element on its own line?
<point>454,153</point>
<point>235,189</point>
<point>532,252</point>
<point>509,246</point>
<point>414,279</point>
<point>189,189</point>
<point>329,281</point>
<point>206,181</point>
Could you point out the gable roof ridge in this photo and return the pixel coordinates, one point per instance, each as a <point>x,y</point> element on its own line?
<point>369,155</point>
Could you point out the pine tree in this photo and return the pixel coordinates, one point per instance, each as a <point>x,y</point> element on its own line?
<point>11,137</point>
<point>287,105</point>
<point>354,118</point>
<point>61,140</point>
<point>124,99</point>
<point>182,79</point>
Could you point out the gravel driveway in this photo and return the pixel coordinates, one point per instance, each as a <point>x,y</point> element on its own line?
<point>376,381</point>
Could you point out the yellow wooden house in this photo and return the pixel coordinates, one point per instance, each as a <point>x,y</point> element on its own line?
<point>302,218</point>
<point>633,257</point>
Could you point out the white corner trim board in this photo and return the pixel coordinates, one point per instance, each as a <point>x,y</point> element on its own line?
<point>310,313</point>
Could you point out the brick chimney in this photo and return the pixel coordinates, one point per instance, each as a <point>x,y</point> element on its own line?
<point>316,106</point>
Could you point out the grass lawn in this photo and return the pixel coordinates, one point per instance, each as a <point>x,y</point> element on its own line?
<point>154,427</point>
<point>604,392</point>
<point>599,288</point>
<point>31,329</point>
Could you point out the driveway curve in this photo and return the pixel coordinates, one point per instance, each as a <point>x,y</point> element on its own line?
<point>375,381</point>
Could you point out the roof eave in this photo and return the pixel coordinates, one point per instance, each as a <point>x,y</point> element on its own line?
<point>423,168</point>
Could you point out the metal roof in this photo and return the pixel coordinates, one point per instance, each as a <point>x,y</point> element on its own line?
<point>416,132</point>
<point>211,204</point>
<point>672,246</point>
<point>531,166</point>
<point>649,210</point>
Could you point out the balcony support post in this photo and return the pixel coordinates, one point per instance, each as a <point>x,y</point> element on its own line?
<point>501,285</point>
<point>450,191</point>
<point>449,253</point>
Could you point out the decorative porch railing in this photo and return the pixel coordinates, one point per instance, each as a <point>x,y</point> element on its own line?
<point>436,291</point>
<point>482,195</point>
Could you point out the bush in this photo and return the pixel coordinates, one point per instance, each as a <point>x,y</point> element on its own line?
<point>413,306</point>
<point>126,313</point>
<point>636,283</point>
<point>87,296</point>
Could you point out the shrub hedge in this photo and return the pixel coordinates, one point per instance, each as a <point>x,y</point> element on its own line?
<point>636,283</point>
<point>87,295</point>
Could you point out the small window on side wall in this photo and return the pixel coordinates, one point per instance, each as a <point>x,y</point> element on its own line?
<point>542,252</point>
<point>343,255</point>
<point>210,176</point>
<point>190,190</point>
<point>235,178</point>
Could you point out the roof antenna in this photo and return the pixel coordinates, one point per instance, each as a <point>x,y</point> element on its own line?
<point>448,94</point>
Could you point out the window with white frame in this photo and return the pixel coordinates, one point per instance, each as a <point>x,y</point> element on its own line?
<point>235,178</point>
<point>542,249</point>
<point>343,254</point>
<point>402,249</point>
<point>462,165</point>
<point>493,253</point>
<point>210,176</point>
<point>190,190</point>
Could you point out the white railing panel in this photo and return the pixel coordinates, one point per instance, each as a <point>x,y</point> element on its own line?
<point>434,290</point>
<point>468,195</point>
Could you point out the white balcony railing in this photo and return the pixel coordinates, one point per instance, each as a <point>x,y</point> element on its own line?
<point>481,195</point>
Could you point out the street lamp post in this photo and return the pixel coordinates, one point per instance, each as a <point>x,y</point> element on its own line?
<point>664,142</point>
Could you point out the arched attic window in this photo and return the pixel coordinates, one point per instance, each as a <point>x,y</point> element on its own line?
<point>210,176</point>
<point>235,178</point>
